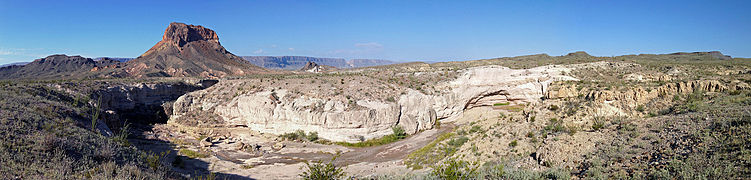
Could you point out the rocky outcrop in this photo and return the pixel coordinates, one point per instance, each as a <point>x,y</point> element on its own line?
<point>144,103</point>
<point>278,111</point>
<point>635,96</point>
<point>488,85</point>
<point>189,50</point>
<point>640,95</point>
<point>315,68</point>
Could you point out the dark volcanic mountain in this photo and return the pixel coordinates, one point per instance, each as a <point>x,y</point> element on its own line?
<point>189,50</point>
<point>60,66</point>
<point>297,62</point>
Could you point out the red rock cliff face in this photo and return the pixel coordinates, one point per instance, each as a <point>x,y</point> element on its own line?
<point>189,50</point>
<point>179,34</point>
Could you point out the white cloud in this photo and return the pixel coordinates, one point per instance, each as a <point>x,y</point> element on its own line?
<point>291,49</point>
<point>259,51</point>
<point>369,45</point>
<point>5,52</point>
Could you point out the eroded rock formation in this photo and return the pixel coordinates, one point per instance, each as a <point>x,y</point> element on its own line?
<point>144,103</point>
<point>279,111</point>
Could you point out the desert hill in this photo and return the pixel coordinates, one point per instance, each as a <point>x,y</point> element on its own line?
<point>60,66</point>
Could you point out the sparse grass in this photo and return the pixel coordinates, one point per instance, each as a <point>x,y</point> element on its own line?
<point>502,104</point>
<point>193,154</point>
<point>44,136</point>
<point>706,144</point>
<point>426,155</point>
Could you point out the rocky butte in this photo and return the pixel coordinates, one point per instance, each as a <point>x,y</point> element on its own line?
<point>189,50</point>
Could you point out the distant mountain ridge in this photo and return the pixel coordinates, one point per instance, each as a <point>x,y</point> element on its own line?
<point>14,64</point>
<point>298,62</point>
<point>60,66</point>
<point>121,59</point>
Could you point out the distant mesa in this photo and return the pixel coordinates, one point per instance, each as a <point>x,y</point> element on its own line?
<point>189,50</point>
<point>714,54</point>
<point>297,62</point>
<point>579,54</point>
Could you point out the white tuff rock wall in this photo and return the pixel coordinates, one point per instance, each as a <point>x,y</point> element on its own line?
<point>278,111</point>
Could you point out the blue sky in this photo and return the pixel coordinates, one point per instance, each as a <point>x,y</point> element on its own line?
<point>396,30</point>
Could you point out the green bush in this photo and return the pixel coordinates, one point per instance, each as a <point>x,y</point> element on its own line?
<point>513,143</point>
<point>312,136</point>
<point>322,171</point>
<point>300,135</point>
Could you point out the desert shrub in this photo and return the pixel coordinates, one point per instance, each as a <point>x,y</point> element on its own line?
<point>556,173</point>
<point>553,108</point>
<point>122,136</point>
<point>490,171</point>
<point>300,135</point>
<point>475,129</point>
<point>458,142</point>
<point>455,169</point>
<point>521,174</point>
<point>319,170</point>
<point>312,136</point>
<point>598,123</point>
<point>513,143</point>
<point>554,125</point>
<point>399,132</point>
